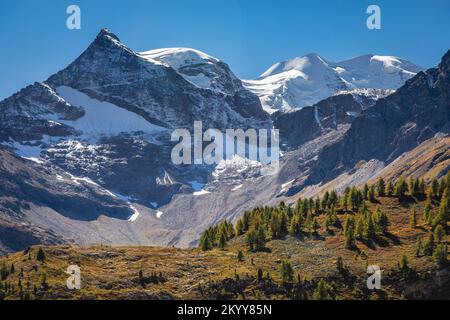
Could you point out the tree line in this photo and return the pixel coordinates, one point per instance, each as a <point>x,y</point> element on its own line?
<point>263,224</point>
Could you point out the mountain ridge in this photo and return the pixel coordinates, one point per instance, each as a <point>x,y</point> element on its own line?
<point>303,81</point>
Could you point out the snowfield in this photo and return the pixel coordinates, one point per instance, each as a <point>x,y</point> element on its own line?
<point>104,118</point>
<point>179,57</point>
<point>304,81</point>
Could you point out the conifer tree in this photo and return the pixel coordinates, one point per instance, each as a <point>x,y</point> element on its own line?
<point>283,224</point>
<point>230,230</point>
<point>428,247</point>
<point>401,187</point>
<point>295,227</point>
<point>222,241</point>
<point>315,225</point>
<point>340,265</point>
<point>404,263</point>
<point>370,227</point>
<point>317,205</point>
<point>381,187</point>
<point>439,233</point>
<point>205,242</point>
<point>259,275</point>
<point>416,190</point>
<point>381,220</point>
<point>411,185</point>
<point>240,256</point>
<point>422,187</point>
<point>251,239</point>
<point>333,199</point>
<point>325,200</point>
<point>366,192</point>
<point>3,271</point>
<point>322,291</point>
<point>442,186</point>
<point>260,239</point>
<point>372,193</point>
<point>444,207</point>
<point>344,202</point>
<point>434,188</point>
<point>239,227</point>
<point>390,189</point>
<point>442,217</point>
<point>246,220</point>
<point>40,256</point>
<point>427,212</point>
<point>360,227</point>
<point>418,247</point>
<point>309,222</point>
<point>287,273</point>
<point>413,217</point>
<point>275,226</point>
<point>349,233</point>
<point>440,254</point>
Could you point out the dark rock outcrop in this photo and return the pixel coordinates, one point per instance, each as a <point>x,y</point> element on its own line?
<point>308,123</point>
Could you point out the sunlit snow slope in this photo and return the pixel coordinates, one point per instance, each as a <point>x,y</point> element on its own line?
<point>304,81</point>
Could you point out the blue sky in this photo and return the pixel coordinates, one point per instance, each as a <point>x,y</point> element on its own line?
<point>249,35</point>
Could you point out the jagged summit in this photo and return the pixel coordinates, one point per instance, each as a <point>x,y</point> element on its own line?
<point>106,41</point>
<point>107,33</point>
<point>445,62</point>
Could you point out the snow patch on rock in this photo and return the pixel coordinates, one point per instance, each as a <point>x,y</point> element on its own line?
<point>103,118</point>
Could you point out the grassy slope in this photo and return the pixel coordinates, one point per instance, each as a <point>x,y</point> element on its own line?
<point>112,272</point>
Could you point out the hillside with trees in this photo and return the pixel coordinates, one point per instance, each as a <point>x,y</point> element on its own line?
<point>319,248</point>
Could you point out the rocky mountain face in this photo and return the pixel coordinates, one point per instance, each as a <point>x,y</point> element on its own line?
<point>298,127</point>
<point>29,189</point>
<point>207,72</point>
<point>306,80</point>
<point>109,71</point>
<point>85,156</point>
<point>24,116</point>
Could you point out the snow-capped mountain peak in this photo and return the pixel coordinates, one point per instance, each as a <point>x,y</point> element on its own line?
<point>296,83</point>
<point>311,61</point>
<point>305,80</point>
<point>106,33</point>
<point>106,38</point>
<point>199,68</point>
<point>178,58</point>
<point>378,72</point>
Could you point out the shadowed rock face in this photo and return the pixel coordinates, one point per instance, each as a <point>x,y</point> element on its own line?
<point>25,185</point>
<point>24,182</point>
<point>23,115</point>
<point>308,123</point>
<point>397,123</point>
<point>14,238</point>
